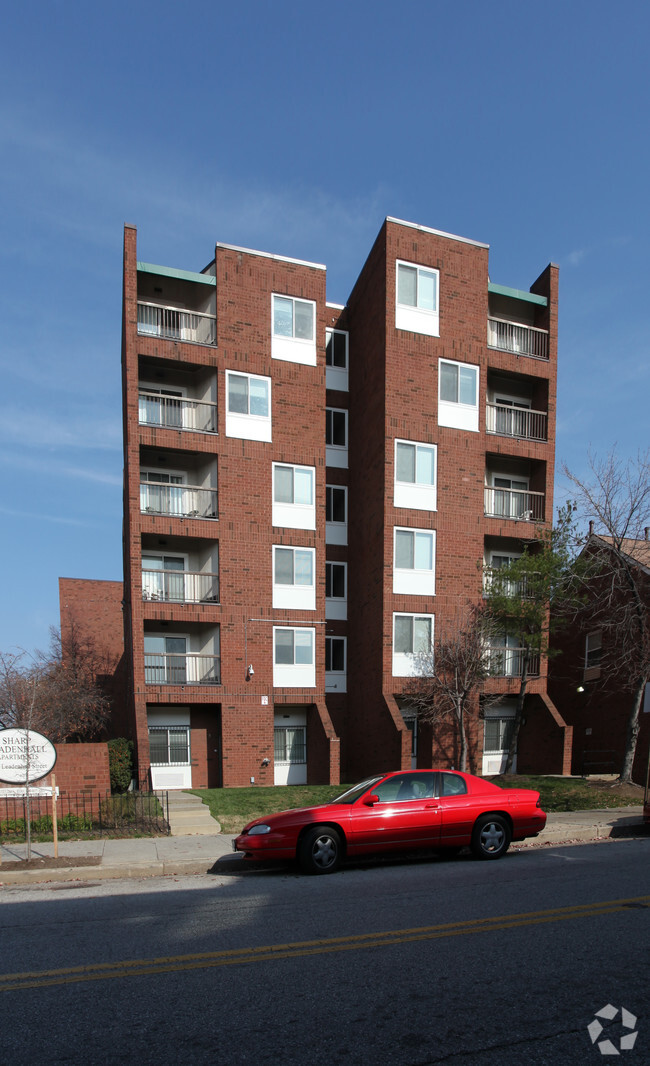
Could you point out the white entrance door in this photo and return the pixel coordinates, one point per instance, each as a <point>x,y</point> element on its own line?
<point>497,730</point>
<point>290,749</point>
<point>169,747</point>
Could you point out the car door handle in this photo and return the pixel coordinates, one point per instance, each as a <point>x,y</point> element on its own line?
<point>429,805</point>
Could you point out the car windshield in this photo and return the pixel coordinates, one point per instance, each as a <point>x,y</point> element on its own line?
<point>352,794</point>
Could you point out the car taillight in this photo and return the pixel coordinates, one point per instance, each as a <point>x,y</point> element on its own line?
<point>539,802</point>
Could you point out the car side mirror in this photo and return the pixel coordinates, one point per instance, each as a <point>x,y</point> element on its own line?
<point>369,801</point>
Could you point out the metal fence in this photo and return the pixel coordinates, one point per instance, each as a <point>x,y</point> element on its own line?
<point>86,813</point>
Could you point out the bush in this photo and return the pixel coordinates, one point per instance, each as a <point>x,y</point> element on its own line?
<point>120,763</point>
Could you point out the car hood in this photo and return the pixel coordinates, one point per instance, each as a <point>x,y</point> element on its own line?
<point>295,814</point>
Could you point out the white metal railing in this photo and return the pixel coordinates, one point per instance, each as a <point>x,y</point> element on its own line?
<point>524,589</point>
<point>180,586</point>
<point>514,503</point>
<point>166,668</point>
<point>156,320</point>
<point>183,501</point>
<point>508,662</point>
<point>513,337</point>
<point>519,422</point>
<point>176,412</point>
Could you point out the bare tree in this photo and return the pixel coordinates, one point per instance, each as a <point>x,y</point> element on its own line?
<point>616,497</point>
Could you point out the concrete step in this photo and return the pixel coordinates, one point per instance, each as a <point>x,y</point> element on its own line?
<point>189,816</point>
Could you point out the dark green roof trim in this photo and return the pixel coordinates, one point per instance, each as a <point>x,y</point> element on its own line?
<point>171,272</point>
<point>517,294</point>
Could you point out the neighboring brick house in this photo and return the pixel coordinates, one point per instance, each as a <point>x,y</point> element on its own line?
<point>591,686</point>
<point>311,488</point>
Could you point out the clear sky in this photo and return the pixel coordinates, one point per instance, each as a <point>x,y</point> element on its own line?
<point>295,128</point>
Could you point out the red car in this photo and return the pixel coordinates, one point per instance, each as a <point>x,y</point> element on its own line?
<point>399,811</point>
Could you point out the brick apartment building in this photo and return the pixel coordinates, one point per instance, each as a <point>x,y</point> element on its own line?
<point>310,489</point>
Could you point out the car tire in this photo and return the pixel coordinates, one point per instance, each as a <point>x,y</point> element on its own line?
<point>320,851</point>
<point>491,837</point>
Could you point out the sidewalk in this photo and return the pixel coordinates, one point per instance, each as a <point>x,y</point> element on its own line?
<point>165,856</point>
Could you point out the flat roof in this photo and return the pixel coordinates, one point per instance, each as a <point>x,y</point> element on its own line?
<point>517,294</point>
<point>270,255</point>
<point>172,272</point>
<point>438,232</point>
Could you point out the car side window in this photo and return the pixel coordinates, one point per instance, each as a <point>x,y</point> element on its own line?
<point>452,785</point>
<point>404,787</point>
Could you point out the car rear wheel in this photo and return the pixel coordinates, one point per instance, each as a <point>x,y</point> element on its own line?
<point>320,851</point>
<point>491,837</point>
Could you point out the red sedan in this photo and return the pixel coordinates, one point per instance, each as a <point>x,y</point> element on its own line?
<point>399,811</point>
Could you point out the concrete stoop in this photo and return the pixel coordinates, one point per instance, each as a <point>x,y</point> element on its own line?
<point>189,816</point>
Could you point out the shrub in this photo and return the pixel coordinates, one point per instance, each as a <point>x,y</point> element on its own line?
<point>120,763</point>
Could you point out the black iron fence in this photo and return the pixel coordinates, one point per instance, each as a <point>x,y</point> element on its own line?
<point>86,814</point>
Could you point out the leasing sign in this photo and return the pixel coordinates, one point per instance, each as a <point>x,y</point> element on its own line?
<point>25,756</point>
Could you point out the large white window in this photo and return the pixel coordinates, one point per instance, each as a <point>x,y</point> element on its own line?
<point>293,496</point>
<point>293,657</point>
<point>412,639</point>
<point>335,664</point>
<point>336,514</point>
<point>417,303</point>
<point>336,437</point>
<point>336,359</point>
<point>414,562</point>
<point>294,330</point>
<point>336,590</point>
<point>293,578</point>
<point>415,475</point>
<point>248,406</point>
<point>458,395</point>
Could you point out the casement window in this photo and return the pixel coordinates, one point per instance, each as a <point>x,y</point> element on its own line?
<point>336,590</point>
<point>248,406</point>
<point>336,514</point>
<point>293,330</point>
<point>293,578</point>
<point>458,395</point>
<point>336,437</point>
<point>414,561</point>
<point>593,655</point>
<point>335,664</point>
<point>417,300</point>
<point>336,359</point>
<point>293,496</point>
<point>412,640</point>
<point>415,475</point>
<point>293,657</point>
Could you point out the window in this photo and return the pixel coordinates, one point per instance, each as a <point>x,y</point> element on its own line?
<point>336,590</point>
<point>458,395</point>
<point>162,492</point>
<point>169,746</point>
<point>336,437</point>
<point>593,655</point>
<point>293,496</point>
<point>248,406</point>
<point>294,334</point>
<point>415,475</point>
<point>416,306</point>
<point>508,497</point>
<point>336,514</point>
<point>165,659</point>
<point>414,562</point>
<point>412,638</point>
<point>336,359</point>
<point>293,657</point>
<point>497,734</point>
<point>495,561</point>
<point>335,664</point>
<point>405,788</point>
<point>293,578</point>
<point>290,749</point>
<point>163,578</point>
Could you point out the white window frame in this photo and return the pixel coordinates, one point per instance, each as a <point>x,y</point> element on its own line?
<point>336,680</point>
<point>336,532</point>
<point>337,606</point>
<point>416,495</point>
<point>295,674</point>
<point>412,317</point>
<point>406,664</point>
<point>336,377</point>
<point>155,591</point>
<point>294,515</point>
<point>293,349</point>
<point>453,413</point>
<point>248,426</point>
<point>295,596</point>
<point>593,643</point>
<point>336,454</point>
<point>412,581</point>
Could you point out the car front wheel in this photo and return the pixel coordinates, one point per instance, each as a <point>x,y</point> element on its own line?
<point>491,837</point>
<point>320,851</point>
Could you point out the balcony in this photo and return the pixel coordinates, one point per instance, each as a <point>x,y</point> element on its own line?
<point>520,422</point>
<point>513,337</point>
<point>179,501</point>
<point>524,589</point>
<point>518,504</point>
<point>164,668</point>
<point>179,586</point>
<point>176,412</point>
<point>171,323</point>
<point>508,662</point>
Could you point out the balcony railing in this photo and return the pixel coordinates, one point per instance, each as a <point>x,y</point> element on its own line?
<point>512,337</point>
<point>181,501</point>
<point>518,422</point>
<point>162,668</point>
<point>173,324</point>
<point>508,662</point>
<point>180,586</point>
<point>176,412</point>
<point>514,503</point>
<point>524,589</point>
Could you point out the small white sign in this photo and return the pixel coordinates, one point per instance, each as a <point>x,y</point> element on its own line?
<point>25,756</point>
<point>20,793</point>
<point>265,701</point>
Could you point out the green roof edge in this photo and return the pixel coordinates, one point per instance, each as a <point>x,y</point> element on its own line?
<point>517,294</point>
<point>172,272</point>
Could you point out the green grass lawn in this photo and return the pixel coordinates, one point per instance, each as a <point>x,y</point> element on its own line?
<point>234,807</point>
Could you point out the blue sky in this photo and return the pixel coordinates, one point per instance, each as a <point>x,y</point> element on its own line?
<point>296,128</point>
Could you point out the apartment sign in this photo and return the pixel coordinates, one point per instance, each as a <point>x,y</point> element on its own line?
<point>25,756</point>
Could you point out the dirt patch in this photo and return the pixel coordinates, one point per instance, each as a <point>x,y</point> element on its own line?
<point>48,863</point>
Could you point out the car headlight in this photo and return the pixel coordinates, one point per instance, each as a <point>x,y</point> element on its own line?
<point>257,830</point>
